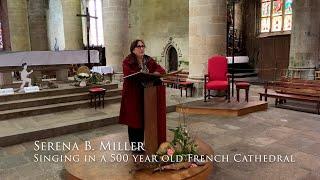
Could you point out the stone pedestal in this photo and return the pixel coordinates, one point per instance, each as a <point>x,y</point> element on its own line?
<point>36,77</point>
<point>5,78</point>
<point>207,35</point>
<point>62,75</point>
<point>115,27</point>
<point>198,87</point>
<point>305,35</point>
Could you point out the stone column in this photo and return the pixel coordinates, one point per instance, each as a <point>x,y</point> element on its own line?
<point>115,28</point>
<point>18,25</point>
<point>62,75</point>
<point>72,24</point>
<point>207,36</point>
<point>238,17</point>
<point>38,25</point>
<point>305,38</point>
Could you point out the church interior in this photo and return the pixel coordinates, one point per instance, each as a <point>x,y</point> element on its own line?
<point>241,83</point>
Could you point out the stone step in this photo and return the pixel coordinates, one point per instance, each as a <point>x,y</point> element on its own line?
<point>53,92</point>
<point>107,116</point>
<point>45,109</point>
<point>19,130</point>
<point>47,130</point>
<point>41,101</point>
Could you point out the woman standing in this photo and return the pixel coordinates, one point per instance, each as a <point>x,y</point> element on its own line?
<point>131,111</point>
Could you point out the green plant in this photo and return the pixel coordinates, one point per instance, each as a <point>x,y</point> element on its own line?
<point>183,142</point>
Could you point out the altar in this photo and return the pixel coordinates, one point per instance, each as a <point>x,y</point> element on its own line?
<point>238,59</point>
<point>35,58</point>
<point>57,61</point>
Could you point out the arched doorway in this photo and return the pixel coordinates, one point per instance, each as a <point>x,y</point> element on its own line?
<point>172,59</point>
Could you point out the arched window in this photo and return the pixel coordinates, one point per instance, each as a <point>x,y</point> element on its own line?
<point>276,16</point>
<point>96,27</point>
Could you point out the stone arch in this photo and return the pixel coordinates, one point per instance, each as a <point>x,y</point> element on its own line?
<point>170,47</point>
<point>172,59</point>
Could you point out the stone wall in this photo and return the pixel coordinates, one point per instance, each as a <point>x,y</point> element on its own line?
<point>18,25</point>
<point>269,55</point>
<point>155,22</point>
<point>38,25</point>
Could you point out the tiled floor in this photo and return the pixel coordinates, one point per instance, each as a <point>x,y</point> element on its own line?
<point>272,132</point>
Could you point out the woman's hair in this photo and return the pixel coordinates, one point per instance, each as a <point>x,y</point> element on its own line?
<point>134,44</point>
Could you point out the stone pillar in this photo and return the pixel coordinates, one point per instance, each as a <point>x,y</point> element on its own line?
<point>5,78</point>
<point>62,75</point>
<point>18,25</point>
<point>38,25</point>
<point>115,28</point>
<point>238,17</point>
<point>305,38</point>
<point>72,24</point>
<point>207,36</point>
<point>56,37</point>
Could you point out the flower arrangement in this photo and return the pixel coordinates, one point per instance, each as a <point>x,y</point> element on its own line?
<point>82,78</point>
<point>180,148</point>
<point>181,145</point>
<point>178,153</point>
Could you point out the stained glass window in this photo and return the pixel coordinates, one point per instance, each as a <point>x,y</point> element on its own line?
<point>276,15</point>
<point>277,8</point>
<point>265,24</point>
<point>288,7</point>
<point>276,23</point>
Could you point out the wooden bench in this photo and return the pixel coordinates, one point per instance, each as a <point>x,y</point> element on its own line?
<point>171,81</point>
<point>185,85</point>
<point>179,81</point>
<point>174,80</point>
<point>299,90</point>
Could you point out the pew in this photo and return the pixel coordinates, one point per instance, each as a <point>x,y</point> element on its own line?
<point>299,90</point>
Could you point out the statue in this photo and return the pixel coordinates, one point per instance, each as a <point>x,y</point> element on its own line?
<point>24,76</point>
<point>56,47</point>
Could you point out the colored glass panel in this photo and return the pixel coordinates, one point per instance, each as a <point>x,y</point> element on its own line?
<point>276,23</point>
<point>287,26</point>
<point>277,7</point>
<point>288,7</point>
<point>265,9</point>
<point>265,25</point>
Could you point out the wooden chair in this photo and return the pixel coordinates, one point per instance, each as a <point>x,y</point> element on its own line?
<point>217,77</point>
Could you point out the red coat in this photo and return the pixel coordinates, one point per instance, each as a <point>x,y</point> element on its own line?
<point>131,111</point>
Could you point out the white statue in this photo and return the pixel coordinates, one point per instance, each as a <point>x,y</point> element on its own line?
<point>24,76</point>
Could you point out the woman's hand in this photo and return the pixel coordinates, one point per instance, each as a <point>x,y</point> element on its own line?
<point>156,72</point>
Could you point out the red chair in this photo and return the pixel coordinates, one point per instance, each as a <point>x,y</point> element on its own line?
<point>217,77</point>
